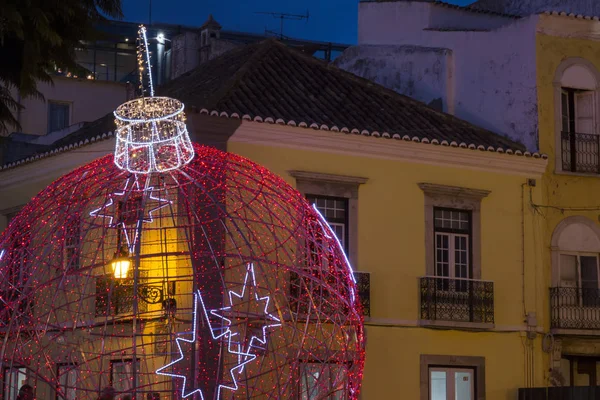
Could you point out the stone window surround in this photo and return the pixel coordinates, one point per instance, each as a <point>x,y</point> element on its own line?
<point>458,198</point>
<point>320,184</point>
<point>557,83</point>
<point>478,363</point>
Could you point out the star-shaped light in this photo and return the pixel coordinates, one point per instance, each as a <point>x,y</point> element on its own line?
<point>247,298</point>
<point>225,334</point>
<point>110,209</point>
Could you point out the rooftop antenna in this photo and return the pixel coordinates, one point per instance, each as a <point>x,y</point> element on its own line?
<point>282,17</point>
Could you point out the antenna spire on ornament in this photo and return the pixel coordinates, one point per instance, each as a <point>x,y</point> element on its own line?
<point>151,134</point>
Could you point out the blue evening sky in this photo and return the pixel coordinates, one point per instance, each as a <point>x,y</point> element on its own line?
<point>330,20</point>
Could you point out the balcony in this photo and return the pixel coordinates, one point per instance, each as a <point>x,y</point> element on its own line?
<point>580,152</point>
<point>576,309</point>
<point>560,393</point>
<point>448,302</point>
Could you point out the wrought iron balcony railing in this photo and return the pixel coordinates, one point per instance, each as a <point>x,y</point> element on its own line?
<point>580,152</point>
<point>460,300</point>
<point>363,284</point>
<point>560,393</point>
<point>575,308</point>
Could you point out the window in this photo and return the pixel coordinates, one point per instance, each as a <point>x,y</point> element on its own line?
<point>116,298</point>
<point>306,291</point>
<point>323,381</point>
<point>447,377</point>
<point>72,243</point>
<point>16,300</point>
<point>580,145</point>
<point>67,381</point>
<point>342,188</point>
<point>336,197</point>
<point>452,230</point>
<point>574,295</point>
<point>451,384</point>
<point>580,272</point>
<point>58,115</point>
<point>121,375</point>
<point>335,212</point>
<point>14,378</point>
<point>576,104</point>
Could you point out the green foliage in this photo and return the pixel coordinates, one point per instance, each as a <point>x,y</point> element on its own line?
<point>37,36</point>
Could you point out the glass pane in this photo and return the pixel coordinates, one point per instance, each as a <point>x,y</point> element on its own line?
<point>68,381</point>
<point>463,385</point>
<point>14,378</point>
<point>437,380</point>
<point>122,376</point>
<point>309,387</point>
<point>461,256</point>
<point>565,111</point>
<point>442,255</point>
<point>568,268</point>
<point>589,280</point>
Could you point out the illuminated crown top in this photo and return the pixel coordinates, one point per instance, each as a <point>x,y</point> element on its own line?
<point>151,135</point>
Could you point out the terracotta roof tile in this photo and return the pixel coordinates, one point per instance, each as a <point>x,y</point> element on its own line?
<point>269,79</point>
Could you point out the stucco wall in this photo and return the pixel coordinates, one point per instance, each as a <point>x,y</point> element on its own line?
<point>392,248</point>
<point>494,72</point>
<point>89,101</point>
<point>422,73</point>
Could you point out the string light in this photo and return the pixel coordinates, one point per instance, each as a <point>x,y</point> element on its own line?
<point>244,357</point>
<point>220,313</point>
<point>196,219</point>
<point>151,134</point>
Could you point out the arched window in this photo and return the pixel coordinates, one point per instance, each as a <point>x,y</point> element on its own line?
<point>576,267</point>
<point>578,146</point>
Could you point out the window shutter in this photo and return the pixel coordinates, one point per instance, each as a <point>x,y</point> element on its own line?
<point>584,112</point>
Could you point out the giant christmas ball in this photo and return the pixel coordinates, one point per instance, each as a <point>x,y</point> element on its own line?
<point>213,281</point>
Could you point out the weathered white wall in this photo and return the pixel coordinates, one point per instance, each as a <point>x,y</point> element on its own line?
<point>422,73</point>
<point>185,55</point>
<point>527,7</point>
<point>88,99</point>
<point>494,72</point>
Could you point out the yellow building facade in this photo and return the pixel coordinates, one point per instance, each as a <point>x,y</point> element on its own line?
<point>568,65</point>
<point>437,213</point>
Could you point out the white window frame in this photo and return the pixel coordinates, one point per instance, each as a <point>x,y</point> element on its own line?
<point>343,395</point>
<point>578,266</point>
<point>451,380</point>
<point>117,383</point>
<point>452,254</point>
<point>579,255</point>
<point>11,389</point>
<point>580,74</point>
<point>65,372</point>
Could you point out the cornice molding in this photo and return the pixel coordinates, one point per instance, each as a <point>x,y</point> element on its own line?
<point>329,178</point>
<point>432,189</point>
<point>55,166</point>
<point>390,149</point>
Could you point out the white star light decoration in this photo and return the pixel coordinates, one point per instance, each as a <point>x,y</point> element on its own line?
<point>110,210</point>
<point>228,332</point>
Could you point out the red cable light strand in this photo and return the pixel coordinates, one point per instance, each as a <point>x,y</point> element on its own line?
<point>60,305</point>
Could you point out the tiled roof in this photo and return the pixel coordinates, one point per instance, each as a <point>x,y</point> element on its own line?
<point>272,83</point>
<point>497,11</point>
<point>571,15</point>
<point>269,80</point>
